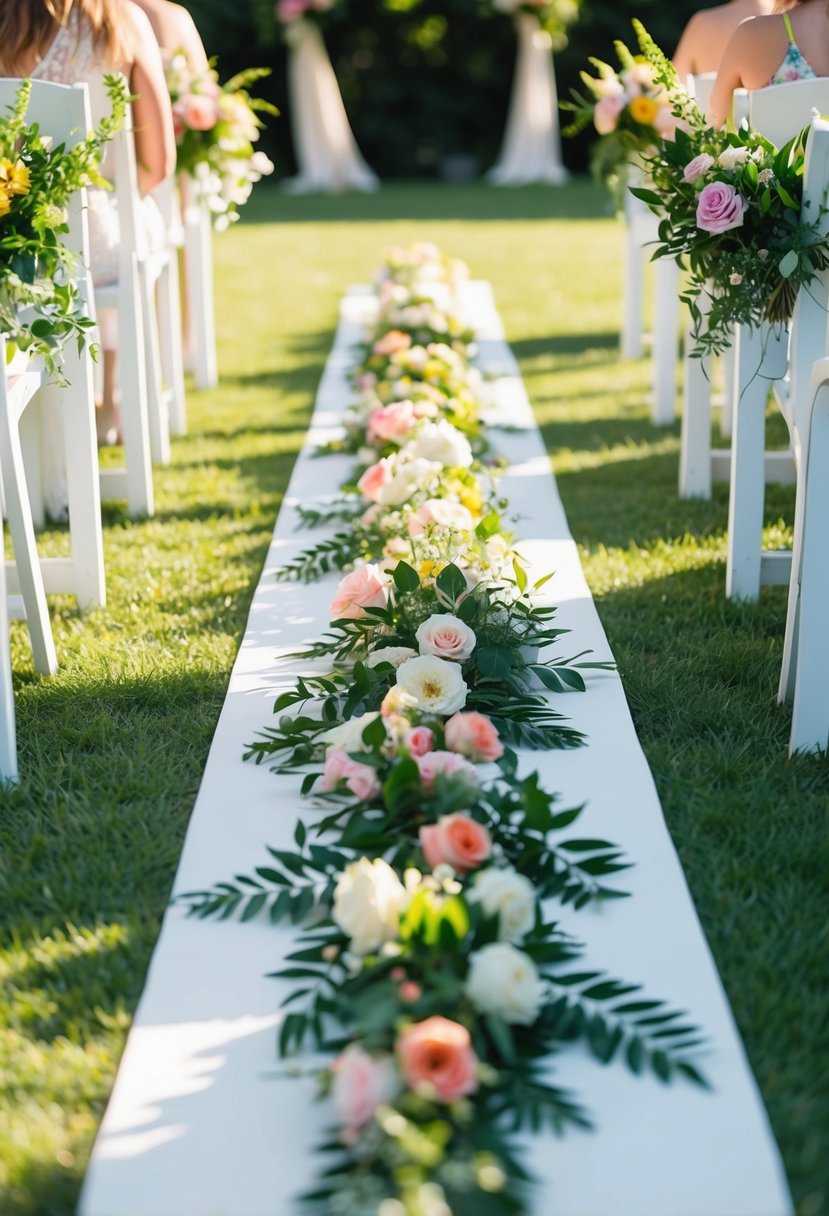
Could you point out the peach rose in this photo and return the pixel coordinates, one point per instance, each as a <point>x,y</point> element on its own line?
<point>474,736</point>
<point>606,113</point>
<point>365,587</point>
<point>420,740</point>
<point>392,342</point>
<point>361,1084</point>
<point>391,422</point>
<point>200,113</point>
<point>373,481</point>
<point>438,1054</point>
<point>360,779</point>
<point>456,841</point>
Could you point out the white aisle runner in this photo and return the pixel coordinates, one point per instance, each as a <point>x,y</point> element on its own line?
<point>198,1125</point>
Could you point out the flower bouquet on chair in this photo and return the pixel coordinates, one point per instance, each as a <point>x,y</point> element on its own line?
<point>216,127</point>
<point>39,304</point>
<point>730,205</point>
<point>631,110</point>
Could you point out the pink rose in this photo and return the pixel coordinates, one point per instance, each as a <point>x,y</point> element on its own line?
<point>420,740</point>
<point>697,167</point>
<point>290,10</point>
<point>373,481</point>
<point>449,763</point>
<point>200,113</point>
<point>444,513</point>
<point>456,841</point>
<point>365,587</point>
<point>360,779</point>
<point>438,1053</point>
<point>361,1084</point>
<point>446,636</point>
<point>720,208</point>
<point>474,736</point>
<point>391,422</point>
<point>606,113</point>
<point>392,342</point>
<point>366,381</point>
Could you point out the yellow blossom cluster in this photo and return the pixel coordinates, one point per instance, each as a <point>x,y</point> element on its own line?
<point>14,180</point>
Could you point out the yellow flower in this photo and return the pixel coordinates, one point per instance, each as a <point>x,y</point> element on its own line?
<point>5,201</point>
<point>14,176</point>
<point>643,110</point>
<point>471,498</point>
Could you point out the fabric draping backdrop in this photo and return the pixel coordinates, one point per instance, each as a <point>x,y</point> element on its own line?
<point>326,150</point>
<point>531,151</point>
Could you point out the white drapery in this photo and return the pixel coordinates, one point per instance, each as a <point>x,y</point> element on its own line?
<point>531,150</point>
<point>326,150</point>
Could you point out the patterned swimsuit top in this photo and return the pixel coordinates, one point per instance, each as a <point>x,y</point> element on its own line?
<point>794,65</point>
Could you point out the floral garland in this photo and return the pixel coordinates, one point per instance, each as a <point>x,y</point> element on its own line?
<point>290,12</point>
<point>553,15</point>
<point>39,305</point>
<point>730,203</point>
<point>216,126</point>
<point>429,970</point>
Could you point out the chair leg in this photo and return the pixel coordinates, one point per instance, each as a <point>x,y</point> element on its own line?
<point>82,476</point>
<point>665,323</point>
<point>198,263</point>
<point>745,503</point>
<point>808,650</point>
<point>8,733</point>
<point>695,434</point>
<point>172,362</point>
<point>727,412</point>
<point>31,425</point>
<point>156,397</point>
<point>22,532</point>
<point>132,379</point>
<point>632,300</point>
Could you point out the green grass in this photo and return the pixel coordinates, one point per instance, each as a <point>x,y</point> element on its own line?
<point>112,749</point>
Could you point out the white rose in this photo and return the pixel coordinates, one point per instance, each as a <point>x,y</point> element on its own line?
<point>504,981</point>
<point>348,736</point>
<point>446,636</point>
<point>442,442</point>
<point>731,157</point>
<point>408,476</point>
<point>432,684</point>
<point>391,654</point>
<point>510,897</point>
<point>368,901</point>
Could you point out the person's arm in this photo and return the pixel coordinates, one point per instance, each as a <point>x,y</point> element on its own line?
<point>685,56</point>
<point>189,39</point>
<point>155,144</point>
<point>730,74</point>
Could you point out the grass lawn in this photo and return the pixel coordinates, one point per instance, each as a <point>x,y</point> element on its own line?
<point>112,749</point>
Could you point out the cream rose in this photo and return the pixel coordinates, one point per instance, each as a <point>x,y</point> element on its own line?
<point>390,654</point>
<point>408,476</point>
<point>509,896</point>
<point>368,901</point>
<point>731,157</point>
<point>447,636</point>
<point>442,512</point>
<point>348,735</point>
<point>442,442</point>
<point>504,981</point>
<point>432,684</point>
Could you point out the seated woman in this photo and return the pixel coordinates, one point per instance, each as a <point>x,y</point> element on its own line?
<point>768,50</point>
<point>705,36</point>
<point>175,31</point>
<point>65,41</point>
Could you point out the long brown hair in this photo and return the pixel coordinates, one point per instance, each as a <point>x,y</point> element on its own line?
<point>27,25</point>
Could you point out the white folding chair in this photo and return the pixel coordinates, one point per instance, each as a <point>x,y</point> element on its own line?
<point>641,233</point>
<point>61,112</point>
<point>163,272</point>
<point>198,278</point>
<point>760,357</point>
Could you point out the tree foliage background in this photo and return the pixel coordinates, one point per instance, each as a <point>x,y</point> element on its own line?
<point>423,79</point>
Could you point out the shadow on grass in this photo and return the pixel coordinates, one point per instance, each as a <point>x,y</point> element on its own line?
<point>421,202</point>
<point>565,344</point>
